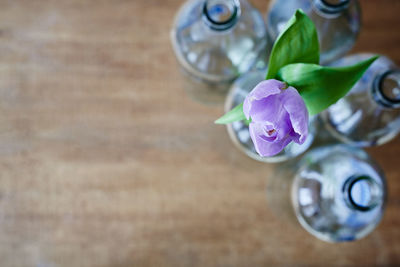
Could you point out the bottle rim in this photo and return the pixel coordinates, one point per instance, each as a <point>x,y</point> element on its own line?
<point>380,96</point>
<point>341,4</point>
<point>349,186</point>
<point>325,8</point>
<point>225,24</point>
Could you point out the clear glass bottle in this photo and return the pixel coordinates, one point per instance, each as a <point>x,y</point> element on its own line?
<point>338,193</point>
<point>239,131</point>
<point>215,41</point>
<point>337,22</point>
<point>369,114</point>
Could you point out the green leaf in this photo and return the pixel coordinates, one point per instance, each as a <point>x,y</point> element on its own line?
<point>322,86</point>
<point>236,114</point>
<point>297,43</point>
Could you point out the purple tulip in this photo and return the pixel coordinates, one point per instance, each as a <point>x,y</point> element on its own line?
<point>278,116</point>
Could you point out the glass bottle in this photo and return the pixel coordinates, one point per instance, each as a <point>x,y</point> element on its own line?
<point>337,23</point>
<point>338,193</point>
<point>215,41</point>
<point>239,131</point>
<point>369,114</point>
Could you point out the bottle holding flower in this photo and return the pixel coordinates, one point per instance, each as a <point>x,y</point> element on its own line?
<point>239,131</point>
<point>277,110</point>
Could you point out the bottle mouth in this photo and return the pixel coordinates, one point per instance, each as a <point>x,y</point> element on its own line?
<point>362,193</point>
<point>221,15</point>
<point>331,7</point>
<point>386,89</point>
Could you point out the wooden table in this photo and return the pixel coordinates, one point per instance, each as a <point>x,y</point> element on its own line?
<point>105,161</point>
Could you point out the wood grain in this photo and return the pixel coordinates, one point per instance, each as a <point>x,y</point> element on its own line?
<point>105,161</point>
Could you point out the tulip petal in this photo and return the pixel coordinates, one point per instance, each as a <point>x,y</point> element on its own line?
<point>296,108</point>
<point>263,146</point>
<point>262,91</point>
<point>266,109</point>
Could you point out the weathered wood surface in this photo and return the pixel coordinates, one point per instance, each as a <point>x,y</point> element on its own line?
<point>105,161</point>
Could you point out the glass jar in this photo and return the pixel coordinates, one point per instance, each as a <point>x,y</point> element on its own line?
<point>369,114</point>
<point>215,41</point>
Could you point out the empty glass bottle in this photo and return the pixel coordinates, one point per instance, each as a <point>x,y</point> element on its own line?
<point>239,131</point>
<point>370,113</point>
<point>337,23</point>
<point>215,41</point>
<point>338,193</point>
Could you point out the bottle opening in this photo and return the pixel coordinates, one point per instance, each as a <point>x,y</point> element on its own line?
<point>336,3</point>
<point>331,7</point>
<point>221,14</point>
<point>386,89</point>
<point>362,193</point>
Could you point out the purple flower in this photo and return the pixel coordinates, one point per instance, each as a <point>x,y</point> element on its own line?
<point>278,116</point>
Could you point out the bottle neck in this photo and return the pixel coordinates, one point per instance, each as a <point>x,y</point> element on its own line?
<point>386,89</point>
<point>221,15</point>
<point>330,8</point>
<point>362,193</point>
